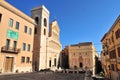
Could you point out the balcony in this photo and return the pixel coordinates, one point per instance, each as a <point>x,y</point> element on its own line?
<point>6,49</point>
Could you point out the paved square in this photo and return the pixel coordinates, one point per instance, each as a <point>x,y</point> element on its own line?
<point>43,76</point>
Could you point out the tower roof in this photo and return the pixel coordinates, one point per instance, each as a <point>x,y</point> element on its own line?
<point>40,7</point>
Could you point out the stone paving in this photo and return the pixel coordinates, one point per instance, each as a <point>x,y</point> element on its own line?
<point>44,76</point>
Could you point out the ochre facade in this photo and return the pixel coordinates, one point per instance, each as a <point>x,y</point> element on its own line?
<point>16,39</point>
<point>82,56</point>
<point>111,51</point>
<point>28,44</point>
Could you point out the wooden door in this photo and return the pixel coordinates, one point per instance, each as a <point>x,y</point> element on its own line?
<point>9,64</point>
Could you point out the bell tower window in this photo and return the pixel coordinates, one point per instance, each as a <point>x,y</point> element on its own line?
<point>35,30</point>
<point>45,22</point>
<point>44,31</point>
<point>0,17</point>
<point>37,20</point>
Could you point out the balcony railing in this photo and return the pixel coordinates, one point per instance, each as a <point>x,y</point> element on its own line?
<point>7,49</point>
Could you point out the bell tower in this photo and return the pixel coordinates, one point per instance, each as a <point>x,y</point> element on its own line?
<point>41,17</point>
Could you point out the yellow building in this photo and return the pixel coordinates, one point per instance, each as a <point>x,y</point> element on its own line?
<point>111,51</point>
<point>82,56</point>
<point>16,39</point>
<point>21,36</point>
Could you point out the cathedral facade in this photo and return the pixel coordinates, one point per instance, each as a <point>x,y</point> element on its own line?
<point>46,40</point>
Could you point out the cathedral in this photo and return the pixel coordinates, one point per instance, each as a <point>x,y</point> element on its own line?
<point>47,46</point>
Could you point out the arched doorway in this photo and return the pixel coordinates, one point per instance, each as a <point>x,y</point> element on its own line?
<point>81,65</point>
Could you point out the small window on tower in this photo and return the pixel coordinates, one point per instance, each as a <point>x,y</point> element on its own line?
<point>35,30</point>
<point>45,22</point>
<point>44,31</point>
<point>0,17</point>
<point>37,20</point>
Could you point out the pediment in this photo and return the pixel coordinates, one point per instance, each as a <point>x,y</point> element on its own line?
<point>55,26</point>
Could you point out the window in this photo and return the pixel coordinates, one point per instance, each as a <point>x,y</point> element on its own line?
<point>112,67</point>
<point>118,51</point>
<point>24,46</point>
<point>7,44</point>
<point>10,22</point>
<point>25,29</point>
<point>14,45</point>
<point>30,31</point>
<point>17,25</point>
<point>54,61</point>
<point>35,32</point>
<point>0,17</point>
<point>45,22</point>
<point>80,54</point>
<point>81,65</point>
<point>44,31</point>
<point>37,20</point>
<point>49,63</point>
<point>22,59</point>
<point>27,59</point>
<point>112,54</point>
<point>73,54</point>
<point>110,41</point>
<point>28,47</point>
<point>117,33</point>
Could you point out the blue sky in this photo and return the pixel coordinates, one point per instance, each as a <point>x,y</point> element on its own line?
<point>79,20</point>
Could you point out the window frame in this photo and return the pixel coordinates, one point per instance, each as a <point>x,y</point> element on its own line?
<point>118,49</point>
<point>55,62</point>
<point>17,25</point>
<point>29,46</point>
<point>0,17</point>
<point>25,29</point>
<point>22,59</point>
<point>27,59</point>
<point>24,47</point>
<point>15,45</point>
<point>44,31</point>
<point>30,31</point>
<point>10,22</point>
<point>45,22</point>
<point>117,34</point>
<point>7,44</point>
<point>35,30</point>
<point>50,63</point>
<point>37,20</point>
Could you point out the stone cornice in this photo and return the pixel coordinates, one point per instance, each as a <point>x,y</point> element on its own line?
<point>14,10</point>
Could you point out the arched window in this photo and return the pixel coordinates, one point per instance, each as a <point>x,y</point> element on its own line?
<point>81,65</point>
<point>35,30</point>
<point>44,31</point>
<point>37,20</point>
<point>0,17</point>
<point>45,22</point>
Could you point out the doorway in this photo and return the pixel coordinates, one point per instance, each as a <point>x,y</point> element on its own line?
<point>9,64</point>
<point>81,65</point>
